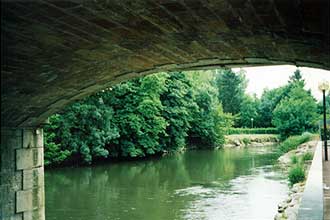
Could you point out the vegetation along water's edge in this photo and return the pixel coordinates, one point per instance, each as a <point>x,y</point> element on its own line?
<point>165,113</point>
<point>248,140</point>
<point>297,154</point>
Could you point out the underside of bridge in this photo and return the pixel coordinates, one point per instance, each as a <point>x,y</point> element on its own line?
<point>55,52</point>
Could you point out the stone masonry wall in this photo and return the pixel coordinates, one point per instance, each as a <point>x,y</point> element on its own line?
<point>22,174</point>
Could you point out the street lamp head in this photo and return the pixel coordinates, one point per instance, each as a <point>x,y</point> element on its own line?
<point>324,85</point>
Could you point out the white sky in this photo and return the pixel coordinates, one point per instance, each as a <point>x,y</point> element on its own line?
<point>271,77</point>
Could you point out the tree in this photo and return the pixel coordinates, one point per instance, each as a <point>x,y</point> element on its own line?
<point>268,102</point>
<point>138,115</point>
<point>178,103</point>
<point>81,131</point>
<point>145,116</point>
<point>248,111</point>
<point>231,88</point>
<point>54,154</point>
<point>297,78</point>
<point>209,121</point>
<point>271,98</point>
<point>295,113</point>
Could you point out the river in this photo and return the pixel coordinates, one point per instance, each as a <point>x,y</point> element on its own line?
<point>223,184</point>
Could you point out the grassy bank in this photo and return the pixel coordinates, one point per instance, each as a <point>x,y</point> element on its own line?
<point>293,142</point>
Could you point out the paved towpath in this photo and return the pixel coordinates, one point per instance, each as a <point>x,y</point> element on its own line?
<point>326,180</point>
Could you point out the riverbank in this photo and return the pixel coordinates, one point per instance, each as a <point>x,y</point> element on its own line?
<point>246,140</point>
<point>288,208</point>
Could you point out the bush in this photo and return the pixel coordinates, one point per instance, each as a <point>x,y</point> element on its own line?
<point>246,141</point>
<point>296,174</point>
<point>293,142</point>
<point>294,159</point>
<point>252,131</point>
<point>307,156</point>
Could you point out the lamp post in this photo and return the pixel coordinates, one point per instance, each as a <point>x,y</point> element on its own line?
<point>323,86</point>
<point>251,122</point>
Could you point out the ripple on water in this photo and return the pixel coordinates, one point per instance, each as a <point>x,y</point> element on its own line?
<point>248,197</point>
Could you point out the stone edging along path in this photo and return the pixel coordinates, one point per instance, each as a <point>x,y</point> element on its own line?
<point>288,209</point>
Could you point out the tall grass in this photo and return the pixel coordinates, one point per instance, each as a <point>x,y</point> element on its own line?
<point>296,174</point>
<point>293,142</point>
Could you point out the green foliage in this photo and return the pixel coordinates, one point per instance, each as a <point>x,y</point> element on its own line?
<point>159,113</point>
<point>138,115</point>
<point>252,131</point>
<point>249,112</point>
<point>295,113</point>
<point>231,87</point>
<point>296,174</point>
<point>145,116</point>
<point>82,131</point>
<point>294,159</point>
<point>53,152</point>
<point>296,78</point>
<point>268,102</point>
<point>209,120</point>
<point>293,142</point>
<point>307,156</point>
<point>246,141</point>
<point>178,104</point>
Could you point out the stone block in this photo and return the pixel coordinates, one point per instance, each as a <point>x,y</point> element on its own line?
<point>24,200</point>
<point>38,157</point>
<point>28,138</point>
<point>28,158</point>
<point>24,159</point>
<point>39,140</point>
<point>35,214</point>
<point>38,199</point>
<point>32,138</point>
<point>29,200</point>
<point>33,178</point>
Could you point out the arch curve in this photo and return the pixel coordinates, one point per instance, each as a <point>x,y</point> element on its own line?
<point>54,52</point>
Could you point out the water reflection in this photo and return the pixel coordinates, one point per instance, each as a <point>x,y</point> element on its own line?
<point>193,185</point>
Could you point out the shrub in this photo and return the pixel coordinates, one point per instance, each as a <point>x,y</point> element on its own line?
<point>307,156</point>
<point>294,141</point>
<point>294,159</point>
<point>296,174</point>
<point>246,141</point>
<point>252,131</point>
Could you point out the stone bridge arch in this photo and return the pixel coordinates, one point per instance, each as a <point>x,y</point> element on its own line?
<point>54,52</point>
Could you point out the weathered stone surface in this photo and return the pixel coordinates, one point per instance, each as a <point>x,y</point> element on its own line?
<point>29,158</point>
<point>10,178</point>
<point>33,178</point>
<point>54,52</point>
<point>24,200</point>
<point>30,200</point>
<point>22,175</point>
<point>34,214</point>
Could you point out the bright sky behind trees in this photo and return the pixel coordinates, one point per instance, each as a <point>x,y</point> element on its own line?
<point>274,76</point>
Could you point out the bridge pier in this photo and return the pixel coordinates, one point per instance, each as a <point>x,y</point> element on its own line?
<point>22,174</point>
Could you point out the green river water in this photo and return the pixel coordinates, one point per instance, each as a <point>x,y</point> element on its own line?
<point>224,184</point>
